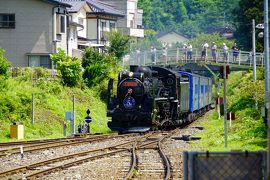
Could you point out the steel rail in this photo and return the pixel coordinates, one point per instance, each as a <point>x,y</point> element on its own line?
<point>134,161</point>
<point>166,162</point>
<point>50,161</point>
<point>69,156</point>
<point>162,155</point>
<point>88,158</point>
<point>32,148</point>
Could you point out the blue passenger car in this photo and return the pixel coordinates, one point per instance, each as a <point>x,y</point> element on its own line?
<point>199,91</point>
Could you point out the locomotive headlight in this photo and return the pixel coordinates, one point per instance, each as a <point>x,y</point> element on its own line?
<point>130,74</point>
<point>129,102</point>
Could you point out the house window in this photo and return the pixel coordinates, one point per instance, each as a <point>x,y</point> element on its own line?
<point>112,26</point>
<point>62,24</point>
<point>7,21</point>
<point>39,61</point>
<point>103,27</point>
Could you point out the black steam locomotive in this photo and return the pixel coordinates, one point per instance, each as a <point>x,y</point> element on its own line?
<point>156,98</point>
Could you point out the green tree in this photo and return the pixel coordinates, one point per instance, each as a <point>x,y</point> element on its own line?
<point>189,17</point>
<point>69,68</point>
<point>119,43</point>
<point>98,67</point>
<point>4,64</point>
<point>243,16</point>
<point>91,56</point>
<point>197,41</point>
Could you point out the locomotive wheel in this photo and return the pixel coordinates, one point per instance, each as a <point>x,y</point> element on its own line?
<point>190,117</point>
<point>166,124</point>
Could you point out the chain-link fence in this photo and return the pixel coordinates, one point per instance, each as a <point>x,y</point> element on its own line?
<point>224,165</point>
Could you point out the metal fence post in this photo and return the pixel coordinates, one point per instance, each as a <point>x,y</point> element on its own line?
<point>196,54</point>
<point>185,168</point>
<point>177,55</point>
<point>73,125</point>
<point>33,108</point>
<point>239,59</point>
<point>225,107</point>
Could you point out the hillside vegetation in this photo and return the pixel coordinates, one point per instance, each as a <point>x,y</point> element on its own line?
<point>52,100</point>
<point>248,131</point>
<point>85,79</point>
<point>194,17</point>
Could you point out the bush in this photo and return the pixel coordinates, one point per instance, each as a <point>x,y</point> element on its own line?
<point>91,56</point>
<point>119,44</point>
<point>4,64</point>
<point>69,68</point>
<point>98,67</point>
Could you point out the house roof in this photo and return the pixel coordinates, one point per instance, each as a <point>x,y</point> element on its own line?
<point>163,33</point>
<point>102,8</point>
<point>57,2</point>
<point>95,6</point>
<point>76,5</point>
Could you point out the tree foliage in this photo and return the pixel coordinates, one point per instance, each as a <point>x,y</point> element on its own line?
<point>119,43</point>
<point>69,68</point>
<point>4,64</point>
<point>188,17</point>
<point>243,15</point>
<point>98,67</point>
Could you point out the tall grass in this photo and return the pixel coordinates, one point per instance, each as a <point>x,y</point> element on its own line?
<point>51,101</point>
<point>248,131</point>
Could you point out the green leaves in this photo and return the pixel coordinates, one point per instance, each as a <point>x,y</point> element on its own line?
<point>189,17</point>
<point>119,44</point>
<point>4,64</point>
<point>69,68</point>
<point>98,67</point>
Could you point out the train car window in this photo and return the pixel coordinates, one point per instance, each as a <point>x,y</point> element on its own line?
<point>184,78</point>
<point>206,88</point>
<point>196,89</point>
<point>201,88</point>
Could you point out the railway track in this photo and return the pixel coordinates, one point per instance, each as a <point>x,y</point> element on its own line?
<point>156,166</point>
<point>42,168</point>
<point>59,163</point>
<point>31,142</point>
<point>55,144</point>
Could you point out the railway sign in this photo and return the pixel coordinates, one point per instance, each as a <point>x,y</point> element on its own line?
<point>88,119</point>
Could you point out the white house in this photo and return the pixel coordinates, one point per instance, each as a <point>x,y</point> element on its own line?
<point>31,30</point>
<point>170,37</point>
<point>131,24</point>
<point>89,20</point>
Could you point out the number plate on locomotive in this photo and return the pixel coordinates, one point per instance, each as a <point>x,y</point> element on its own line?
<point>130,84</point>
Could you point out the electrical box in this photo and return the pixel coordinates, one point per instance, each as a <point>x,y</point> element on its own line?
<point>17,131</point>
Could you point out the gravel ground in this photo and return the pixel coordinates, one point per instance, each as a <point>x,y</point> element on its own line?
<point>116,166</point>
<point>15,160</point>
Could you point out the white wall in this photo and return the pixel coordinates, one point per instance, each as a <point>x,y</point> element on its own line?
<point>75,17</point>
<point>33,32</point>
<point>72,40</point>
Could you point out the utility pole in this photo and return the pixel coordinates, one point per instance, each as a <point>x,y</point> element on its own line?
<point>266,60</point>
<point>254,50</point>
<point>225,106</point>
